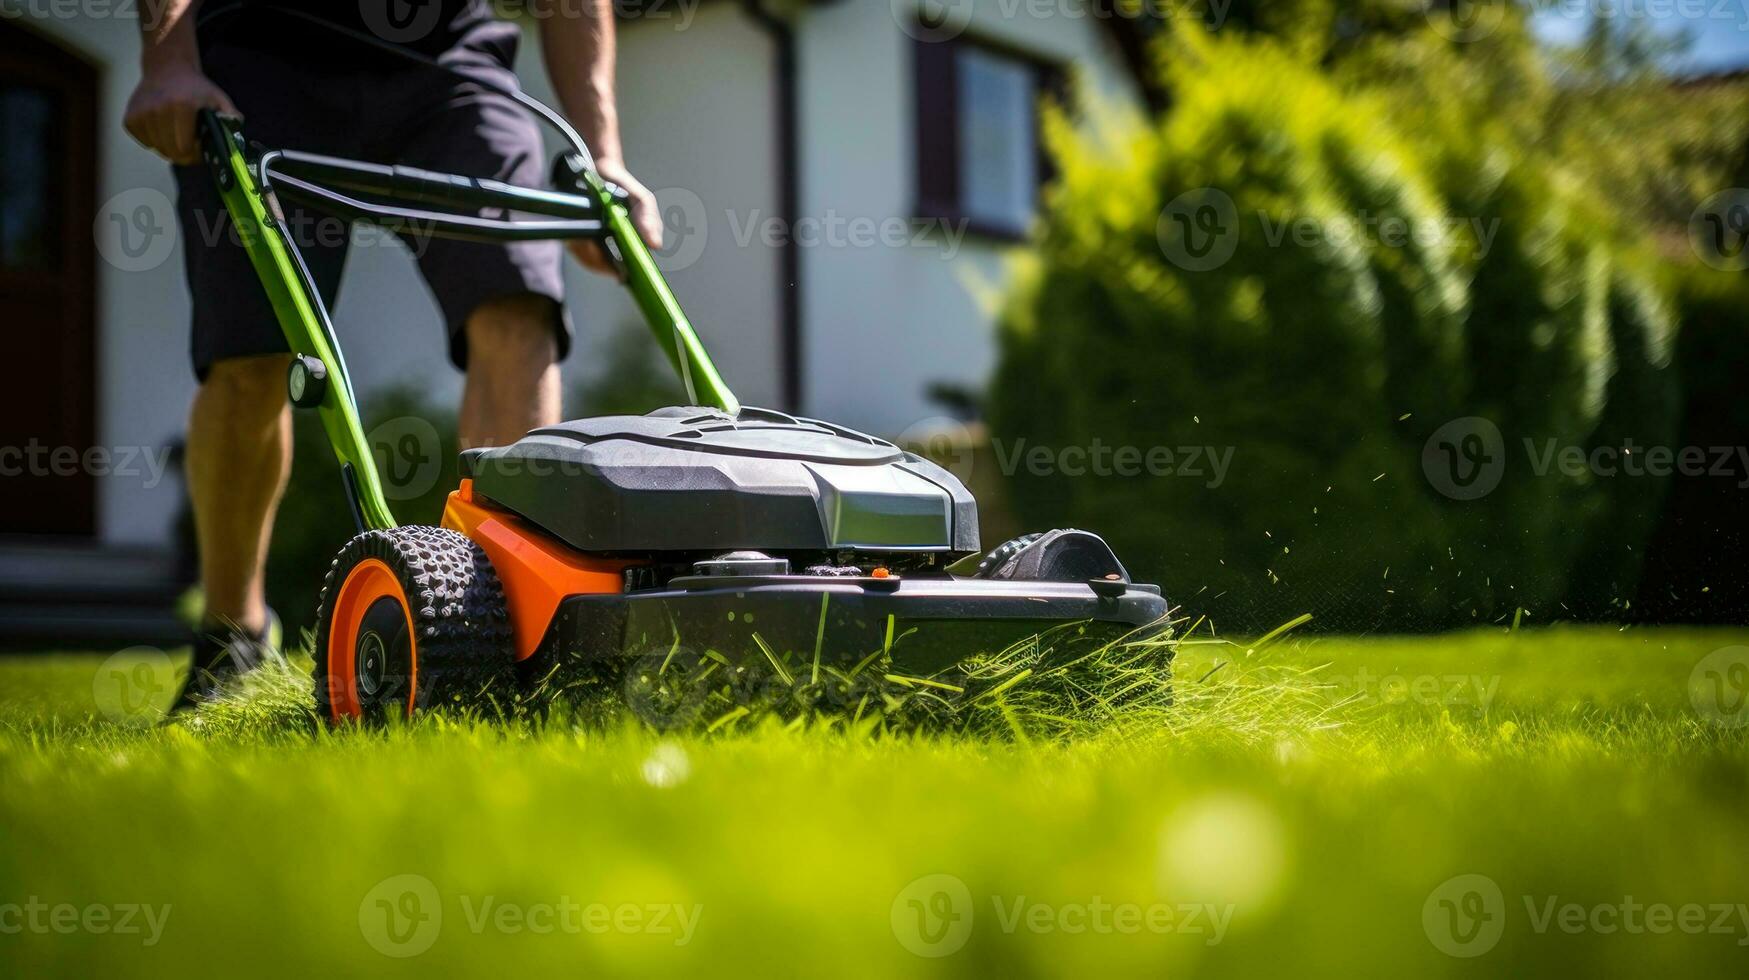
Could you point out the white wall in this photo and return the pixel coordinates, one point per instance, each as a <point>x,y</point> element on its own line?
<point>697,117</point>
<point>881,324</point>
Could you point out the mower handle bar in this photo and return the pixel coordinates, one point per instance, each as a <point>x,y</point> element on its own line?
<point>251,192</point>
<point>436,224</point>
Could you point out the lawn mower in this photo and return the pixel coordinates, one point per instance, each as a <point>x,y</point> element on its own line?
<point>713,527</point>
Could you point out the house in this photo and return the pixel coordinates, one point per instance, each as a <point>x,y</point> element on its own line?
<point>839,180</point>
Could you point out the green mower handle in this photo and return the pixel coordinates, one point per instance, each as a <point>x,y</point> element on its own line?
<point>704,386</point>
<point>301,315</point>
<point>318,377</point>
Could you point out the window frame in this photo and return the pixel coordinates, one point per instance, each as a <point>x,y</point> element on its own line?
<point>936,127</point>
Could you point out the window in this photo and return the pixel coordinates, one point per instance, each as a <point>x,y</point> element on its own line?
<point>28,238</point>
<point>978,153</point>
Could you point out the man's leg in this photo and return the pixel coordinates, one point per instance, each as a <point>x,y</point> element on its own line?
<point>239,457</point>
<point>513,371</point>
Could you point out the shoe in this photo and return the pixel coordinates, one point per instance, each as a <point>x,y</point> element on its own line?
<point>222,653</point>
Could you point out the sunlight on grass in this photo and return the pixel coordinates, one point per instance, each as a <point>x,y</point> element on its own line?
<point>1297,800</point>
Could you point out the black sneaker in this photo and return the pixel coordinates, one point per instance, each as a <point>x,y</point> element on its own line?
<point>223,653</point>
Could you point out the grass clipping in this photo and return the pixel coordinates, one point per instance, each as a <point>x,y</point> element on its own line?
<point>1047,688</point>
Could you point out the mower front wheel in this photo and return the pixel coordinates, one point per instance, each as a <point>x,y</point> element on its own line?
<point>411,619</point>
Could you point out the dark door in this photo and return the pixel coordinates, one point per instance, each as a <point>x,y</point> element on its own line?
<point>48,155</point>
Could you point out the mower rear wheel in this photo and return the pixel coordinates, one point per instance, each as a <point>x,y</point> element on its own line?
<point>411,619</point>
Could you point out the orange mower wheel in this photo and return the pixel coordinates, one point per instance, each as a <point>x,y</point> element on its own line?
<point>411,619</point>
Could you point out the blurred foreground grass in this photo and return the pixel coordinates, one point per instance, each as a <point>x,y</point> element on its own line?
<point>1304,807</point>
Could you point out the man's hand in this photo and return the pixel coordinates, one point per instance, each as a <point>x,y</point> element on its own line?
<point>646,217</point>
<point>161,112</point>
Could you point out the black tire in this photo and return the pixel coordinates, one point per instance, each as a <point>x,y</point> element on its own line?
<point>443,585</point>
<point>1000,554</point>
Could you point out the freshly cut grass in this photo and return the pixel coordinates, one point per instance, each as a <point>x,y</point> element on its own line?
<point>1296,805</point>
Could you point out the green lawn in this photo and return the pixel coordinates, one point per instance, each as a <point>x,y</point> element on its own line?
<point>1276,820</point>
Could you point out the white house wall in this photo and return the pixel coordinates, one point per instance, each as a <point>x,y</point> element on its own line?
<point>881,324</point>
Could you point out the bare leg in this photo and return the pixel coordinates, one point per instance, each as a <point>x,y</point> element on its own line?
<point>239,457</point>
<point>513,371</point>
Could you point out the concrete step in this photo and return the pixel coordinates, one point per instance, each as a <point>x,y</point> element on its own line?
<point>68,595</point>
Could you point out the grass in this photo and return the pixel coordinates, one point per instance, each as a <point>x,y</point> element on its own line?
<point>1298,806</point>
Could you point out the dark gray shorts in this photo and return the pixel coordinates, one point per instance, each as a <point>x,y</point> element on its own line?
<point>387,113</point>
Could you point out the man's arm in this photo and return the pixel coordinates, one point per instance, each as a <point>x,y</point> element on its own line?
<point>172,89</point>
<point>578,44</point>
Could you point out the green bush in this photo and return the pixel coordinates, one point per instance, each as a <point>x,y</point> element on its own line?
<point>1444,275</point>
